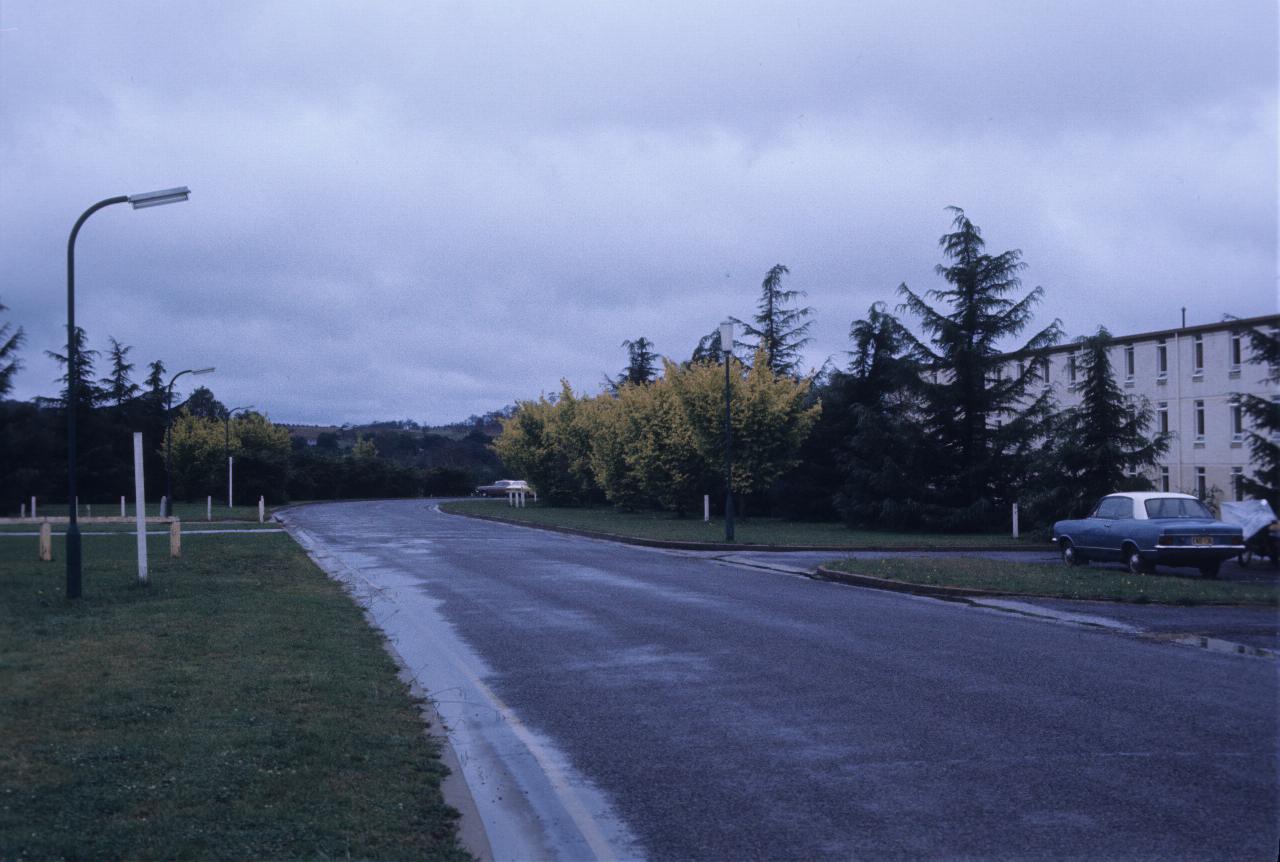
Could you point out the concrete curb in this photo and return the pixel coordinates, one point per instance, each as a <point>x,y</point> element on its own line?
<point>723,546</point>
<point>934,591</point>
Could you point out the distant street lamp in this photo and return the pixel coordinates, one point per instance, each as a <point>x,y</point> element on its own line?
<point>147,199</point>
<point>726,350</point>
<point>168,435</point>
<point>226,447</point>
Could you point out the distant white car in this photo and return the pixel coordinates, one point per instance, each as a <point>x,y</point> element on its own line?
<point>503,487</point>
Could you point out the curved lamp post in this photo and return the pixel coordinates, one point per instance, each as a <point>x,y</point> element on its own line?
<point>226,446</point>
<point>147,199</point>
<point>726,350</point>
<point>168,434</point>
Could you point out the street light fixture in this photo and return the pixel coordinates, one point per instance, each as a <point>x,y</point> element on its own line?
<point>726,350</point>
<point>226,447</point>
<point>146,199</point>
<point>168,434</point>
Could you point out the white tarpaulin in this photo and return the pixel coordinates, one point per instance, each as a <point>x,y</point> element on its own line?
<point>1251,515</point>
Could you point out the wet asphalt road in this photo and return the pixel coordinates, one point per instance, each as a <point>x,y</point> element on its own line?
<point>733,713</point>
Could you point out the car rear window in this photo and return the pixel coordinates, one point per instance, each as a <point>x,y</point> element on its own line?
<point>1176,507</point>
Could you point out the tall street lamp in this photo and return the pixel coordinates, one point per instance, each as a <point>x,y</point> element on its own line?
<point>168,434</point>
<point>226,446</point>
<point>726,350</point>
<point>141,201</point>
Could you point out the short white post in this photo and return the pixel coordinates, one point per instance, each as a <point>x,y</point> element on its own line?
<point>1015,520</point>
<point>706,508</point>
<point>140,506</point>
<point>122,512</point>
<point>24,510</point>
<point>46,542</point>
<point>208,508</point>
<point>511,499</point>
<point>231,459</point>
<point>164,506</point>
<point>88,510</point>
<point>262,509</point>
<point>33,507</point>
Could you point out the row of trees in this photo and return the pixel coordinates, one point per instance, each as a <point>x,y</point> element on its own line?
<point>926,430</point>
<point>659,443</point>
<point>386,461</point>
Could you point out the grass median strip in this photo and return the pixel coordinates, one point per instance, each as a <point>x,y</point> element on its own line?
<point>1059,581</point>
<point>665,527</point>
<point>238,707</point>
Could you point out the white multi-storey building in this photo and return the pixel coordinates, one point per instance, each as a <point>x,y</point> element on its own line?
<point>1192,378</point>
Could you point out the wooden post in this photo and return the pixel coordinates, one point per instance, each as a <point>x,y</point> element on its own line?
<point>24,510</point>
<point>46,542</point>
<point>175,538</point>
<point>139,507</point>
<point>122,514</point>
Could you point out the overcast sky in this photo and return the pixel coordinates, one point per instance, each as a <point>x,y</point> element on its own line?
<point>427,210</point>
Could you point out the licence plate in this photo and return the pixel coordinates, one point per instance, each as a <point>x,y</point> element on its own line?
<point>1203,540</point>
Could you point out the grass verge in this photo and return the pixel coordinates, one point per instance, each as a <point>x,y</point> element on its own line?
<point>665,527</point>
<point>1059,581</point>
<point>238,707</point>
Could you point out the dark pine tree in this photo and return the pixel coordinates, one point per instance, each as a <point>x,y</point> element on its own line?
<point>10,340</point>
<point>201,403</point>
<point>780,330</point>
<point>984,427</point>
<point>117,386</point>
<point>1100,446</point>
<point>642,363</point>
<point>89,393</point>
<point>1264,415</point>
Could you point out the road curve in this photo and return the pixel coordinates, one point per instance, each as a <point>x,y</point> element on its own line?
<point>614,701</point>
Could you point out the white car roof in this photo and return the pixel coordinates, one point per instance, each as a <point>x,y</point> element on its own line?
<point>1143,496</point>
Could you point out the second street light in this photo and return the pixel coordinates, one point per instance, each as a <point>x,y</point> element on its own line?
<point>168,437</point>
<point>226,447</point>
<point>726,350</point>
<point>141,201</point>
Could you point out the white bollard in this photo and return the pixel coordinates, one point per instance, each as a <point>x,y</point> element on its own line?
<point>122,513</point>
<point>88,510</point>
<point>33,507</point>
<point>140,506</point>
<point>1015,520</point>
<point>706,508</point>
<point>262,509</point>
<point>164,506</point>
<point>231,461</point>
<point>24,510</point>
<point>208,509</point>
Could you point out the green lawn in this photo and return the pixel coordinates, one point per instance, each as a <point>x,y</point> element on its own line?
<point>663,526</point>
<point>238,707</point>
<point>1059,581</point>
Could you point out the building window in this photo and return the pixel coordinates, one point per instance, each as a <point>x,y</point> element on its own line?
<point>1200,420</point>
<point>1162,359</point>
<point>1044,371</point>
<point>1071,368</point>
<point>1128,362</point>
<point>1164,479</point>
<point>1237,420</point>
<point>1022,368</point>
<point>1237,350</point>
<point>1202,484</point>
<point>1237,482</point>
<point>1162,416</point>
<point>1197,356</point>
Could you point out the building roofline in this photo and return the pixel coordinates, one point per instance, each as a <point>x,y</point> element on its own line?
<point>1240,323</point>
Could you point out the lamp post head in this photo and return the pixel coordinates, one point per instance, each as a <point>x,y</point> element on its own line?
<point>204,371</point>
<point>726,337</point>
<point>160,198</point>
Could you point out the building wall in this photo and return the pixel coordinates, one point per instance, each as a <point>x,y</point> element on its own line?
<point>1182,390</point>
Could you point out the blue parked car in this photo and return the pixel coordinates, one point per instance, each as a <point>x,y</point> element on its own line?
<point>1144,530</point>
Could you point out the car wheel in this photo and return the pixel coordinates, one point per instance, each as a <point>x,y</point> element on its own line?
<point>1137,565</point>
<point>1210,570</point>
<point>1070,555</point>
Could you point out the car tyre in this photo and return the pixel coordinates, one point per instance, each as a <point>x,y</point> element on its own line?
<point>1210,570</point>
<point>1070,555</point>
<point>1137,565</point>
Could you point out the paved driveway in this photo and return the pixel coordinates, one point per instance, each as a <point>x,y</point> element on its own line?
<point>637,703</point>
